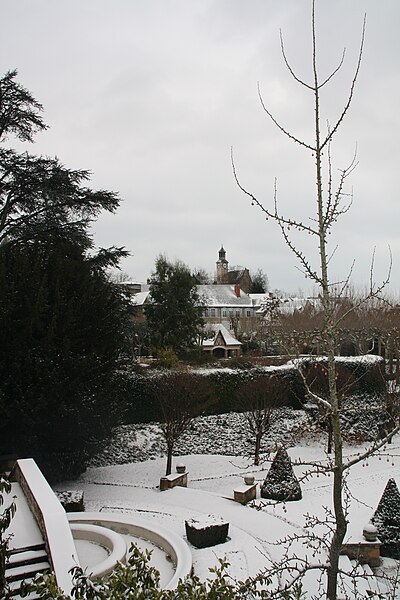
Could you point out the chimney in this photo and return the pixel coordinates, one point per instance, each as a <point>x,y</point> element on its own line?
<point>237,290</point>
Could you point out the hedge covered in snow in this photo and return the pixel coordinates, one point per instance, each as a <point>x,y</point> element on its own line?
<point>142,405</point>
<point>363,374</point>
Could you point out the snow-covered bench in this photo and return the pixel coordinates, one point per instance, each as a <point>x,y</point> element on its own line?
<point>169,481</point>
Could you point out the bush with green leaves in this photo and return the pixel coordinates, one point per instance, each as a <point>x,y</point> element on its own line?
<point>5,520</point>
<point>137,580</point>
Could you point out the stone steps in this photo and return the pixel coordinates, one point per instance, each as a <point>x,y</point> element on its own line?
<point>23,565</point>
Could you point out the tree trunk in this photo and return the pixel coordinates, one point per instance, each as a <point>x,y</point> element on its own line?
<point>330,436</point>
<point>340,519</point>
<point>257,449</point>
<point>170,448</point>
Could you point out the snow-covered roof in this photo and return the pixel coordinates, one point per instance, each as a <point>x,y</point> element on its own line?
<point>259,299</point>
<point>289,305</point>
<point>223,295</point>
<point>284,305</point>
<point>215,329</point>
<point>140,298</point>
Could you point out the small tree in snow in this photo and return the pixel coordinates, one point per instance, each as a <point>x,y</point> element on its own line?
<point>387,520</point>
<point>180,396</point>
<point>259,397</point>
<point>281,483</point>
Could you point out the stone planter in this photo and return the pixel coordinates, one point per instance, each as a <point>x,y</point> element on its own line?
<point>370,532</point>
<point>207,531</point>
<point>249,479</point>
<point>180,468</point>
<point>71,500</point>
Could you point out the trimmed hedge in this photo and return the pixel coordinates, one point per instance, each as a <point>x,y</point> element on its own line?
<point>356,374</point>
<point>353,374</point>
<point>142,406</point>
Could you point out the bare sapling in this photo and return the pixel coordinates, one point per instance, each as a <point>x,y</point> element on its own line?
<point>331,202</point>
<point>259,397</point>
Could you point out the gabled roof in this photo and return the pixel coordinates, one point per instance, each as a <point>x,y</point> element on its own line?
<point>217,330</point>
<point>289,305</point>
<point>140,299</point>
<point>223,295</point>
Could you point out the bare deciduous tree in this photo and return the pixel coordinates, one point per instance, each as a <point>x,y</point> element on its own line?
<point>331,202</point>
<point>259,397</point>
<point>180,396</point>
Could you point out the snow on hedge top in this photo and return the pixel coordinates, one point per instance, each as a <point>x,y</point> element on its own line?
<point>365,359</point>
<point>290,366</point>
<point>228,370</point>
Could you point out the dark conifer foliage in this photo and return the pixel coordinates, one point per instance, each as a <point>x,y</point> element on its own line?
<point>259,282</point>
<point>387,520</point>
<point>38,192</point>
<point>19,111</point>
<point>174,316</point>
<point>281,483</point>
<point>64,326</point>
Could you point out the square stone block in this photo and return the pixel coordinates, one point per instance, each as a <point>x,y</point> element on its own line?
<point>207,531</point>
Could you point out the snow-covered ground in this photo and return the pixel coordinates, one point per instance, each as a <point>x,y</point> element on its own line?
<point>215,434</point>
<point>215,471</point>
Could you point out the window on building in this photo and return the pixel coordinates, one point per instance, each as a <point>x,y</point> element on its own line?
<point>248,313</point>
<point>238,313</point>
<point>213,312</point>
<point>224,313</point>
<point>231,313</point>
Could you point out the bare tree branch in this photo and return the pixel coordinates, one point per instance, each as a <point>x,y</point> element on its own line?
<point>280,127</point>
<point>351,93</point>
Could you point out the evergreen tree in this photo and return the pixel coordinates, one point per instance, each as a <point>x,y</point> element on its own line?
<point>259,282</point>
<point>63,324</point>
<point>387,520</point>
<point>38,192</point>
<point>174,316</point>
<point>281,483</point>
<point>19,111</point>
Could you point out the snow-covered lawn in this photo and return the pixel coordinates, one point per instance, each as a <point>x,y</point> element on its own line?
<point>133,488</point>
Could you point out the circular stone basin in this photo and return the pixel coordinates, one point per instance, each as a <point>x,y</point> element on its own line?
<point>98,548</point>
<point>171,555</point>
<point>90,554</point>
<point>159,559</point>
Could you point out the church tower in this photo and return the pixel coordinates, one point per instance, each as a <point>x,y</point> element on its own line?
<point>222,267</point>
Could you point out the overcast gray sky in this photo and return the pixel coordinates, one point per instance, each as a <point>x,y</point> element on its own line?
<point>150,95</point>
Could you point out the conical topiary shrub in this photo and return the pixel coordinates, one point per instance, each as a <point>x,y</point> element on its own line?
<point>387,520</point>
<point>281,483</point>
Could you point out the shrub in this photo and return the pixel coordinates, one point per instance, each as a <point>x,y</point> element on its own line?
<point>281,483</point>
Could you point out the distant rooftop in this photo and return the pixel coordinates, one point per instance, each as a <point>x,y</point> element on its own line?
<point>223,295</point>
